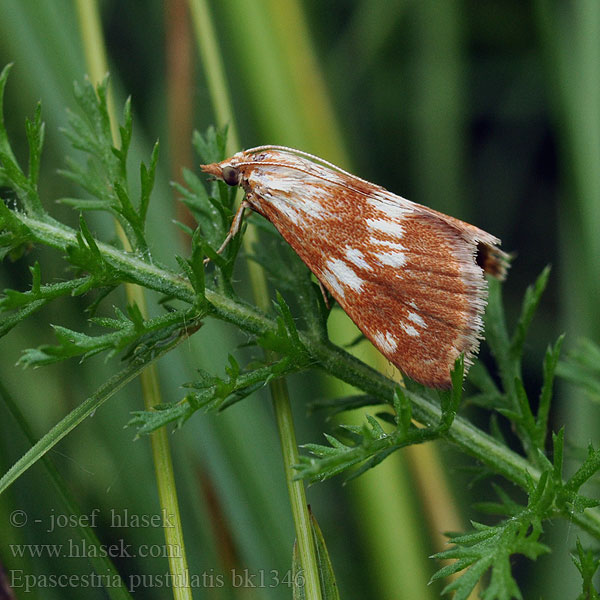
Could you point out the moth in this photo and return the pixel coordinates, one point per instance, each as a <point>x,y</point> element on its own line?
<point>411,278</point>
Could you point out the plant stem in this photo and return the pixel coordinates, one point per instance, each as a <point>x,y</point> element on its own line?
<point>289,449</point>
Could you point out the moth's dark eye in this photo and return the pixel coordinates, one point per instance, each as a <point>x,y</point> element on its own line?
<point>231,176</point>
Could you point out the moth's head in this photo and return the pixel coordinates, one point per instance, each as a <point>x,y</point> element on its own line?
<point>237,169</point>
<point>228,170</point>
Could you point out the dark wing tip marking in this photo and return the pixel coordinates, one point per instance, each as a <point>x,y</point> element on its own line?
<point>492,260</point>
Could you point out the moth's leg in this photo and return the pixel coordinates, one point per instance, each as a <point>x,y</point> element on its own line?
<point>235,227</point>
<point>325,294</point>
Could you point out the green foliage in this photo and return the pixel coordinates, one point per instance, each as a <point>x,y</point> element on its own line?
<point>369,443</point>
<point>295,336</point>
<point>492,547</point>
<point>132,334</point>
<point>90,132</point>
<point>25,185</point>
<point>511,399</point>
<point>587,563</point>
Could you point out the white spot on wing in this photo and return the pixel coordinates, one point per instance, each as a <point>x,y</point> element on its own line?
<point>386,341</point>
<point>287,191</point>
<point>387,244</point>
<point>333,283</point>
<point>339,275</point>
<point>310,201</point>
<point>392,259</point>
<point>356,257</point>
<point>410,330</point>
<point>387,226</point>
<point>287,185</point>
<point>417,319</point>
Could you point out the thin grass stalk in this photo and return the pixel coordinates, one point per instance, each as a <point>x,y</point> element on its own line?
<point>218,89</point>
<point>180,88</point>
<point>439,506</point>
<point>95,53</point>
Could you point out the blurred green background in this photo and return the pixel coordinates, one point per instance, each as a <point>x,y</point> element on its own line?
<point>489,111</point>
